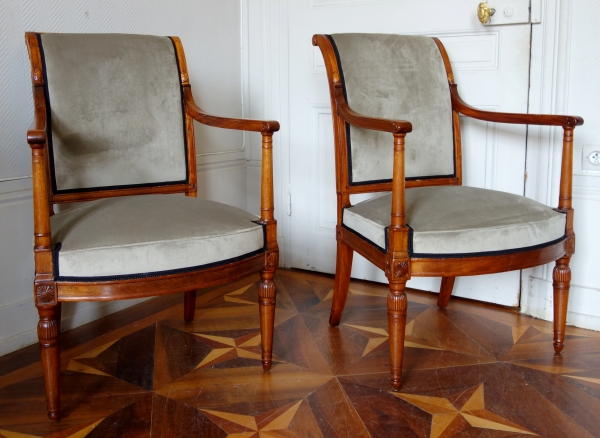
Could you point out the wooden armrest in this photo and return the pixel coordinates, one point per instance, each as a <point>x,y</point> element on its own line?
<point>263,126</point>
<point>362,121</point>
<point>36,134</point>
<point>525,119</point>
<point>367,122</point>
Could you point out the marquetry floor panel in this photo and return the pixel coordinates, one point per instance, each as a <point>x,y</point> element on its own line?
<point>470,370</point>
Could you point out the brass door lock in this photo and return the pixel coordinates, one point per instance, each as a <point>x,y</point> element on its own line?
<point>484,12</point>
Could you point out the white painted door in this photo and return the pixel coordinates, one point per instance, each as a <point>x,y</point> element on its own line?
<point>491,68</point>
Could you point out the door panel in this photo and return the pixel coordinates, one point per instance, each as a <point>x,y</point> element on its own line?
<point>491,68</point>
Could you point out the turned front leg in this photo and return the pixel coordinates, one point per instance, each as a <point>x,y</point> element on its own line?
<point>266,300</point>
<point>561,277</point>
<point>48,334</point>
<point>396,304</point>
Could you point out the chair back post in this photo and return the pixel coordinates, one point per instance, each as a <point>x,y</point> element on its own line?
<point>44,290</point>
<point>189,122</point>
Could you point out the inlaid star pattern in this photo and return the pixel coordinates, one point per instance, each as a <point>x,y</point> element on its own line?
<point>269,424</point>
<point>225,348</point>
<point>448,416</point>
<point>234,297</point>
<point>379,294</point>
<point>378,336</point>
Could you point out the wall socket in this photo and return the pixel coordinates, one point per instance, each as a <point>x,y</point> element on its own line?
<point>590,159</point>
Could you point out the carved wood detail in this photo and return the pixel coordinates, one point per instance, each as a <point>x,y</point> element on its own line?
<point>272,260</point>
<point>267,289</point>
<point>44,293</point>
<point>47,329</point>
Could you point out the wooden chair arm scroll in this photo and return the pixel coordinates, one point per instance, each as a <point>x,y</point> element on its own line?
<point>524,119</point>
<point>265,127</point>
<point>373,123</point>
<point>568,123</point>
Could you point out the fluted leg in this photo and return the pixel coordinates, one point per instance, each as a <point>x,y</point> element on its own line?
<point>561,277</point>
<point>266,300</point>
<point>445,291</point>
<point>397,305</point>
<point>342,282</point>
<point>189,305</point>
<point>48,334</point>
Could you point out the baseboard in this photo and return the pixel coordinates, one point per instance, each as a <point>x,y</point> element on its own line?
<point>584,304</point>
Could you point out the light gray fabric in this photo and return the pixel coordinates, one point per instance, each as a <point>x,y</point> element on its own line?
<point>397,77</point>
<point>460,220</point>
<point>116,113</point>
<point>150,233</point>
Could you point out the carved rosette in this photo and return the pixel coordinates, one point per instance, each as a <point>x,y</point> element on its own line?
<point>571,245</point>
<point>397,270</point>
<point>44,294</point>
<point>267,290</point>
<point>272,260</point>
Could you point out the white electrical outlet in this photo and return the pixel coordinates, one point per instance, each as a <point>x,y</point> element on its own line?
<point>591,157</point>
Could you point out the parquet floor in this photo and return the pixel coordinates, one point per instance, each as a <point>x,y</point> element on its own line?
<point>470,370</point>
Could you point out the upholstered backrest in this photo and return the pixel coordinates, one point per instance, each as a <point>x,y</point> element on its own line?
<point>396,77</point>
<point>115,111</point>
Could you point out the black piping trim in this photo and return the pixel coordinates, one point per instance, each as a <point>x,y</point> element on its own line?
<point>451,255</point>
<point>487,253</point>
<point>348,143</point>
<point>55,189</point>
<point>57,277</point>
<point>55,251</point>
<point>158,273</point>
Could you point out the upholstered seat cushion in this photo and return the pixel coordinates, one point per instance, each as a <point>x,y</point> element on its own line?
<point>460,221</point>
<point>146,235</point>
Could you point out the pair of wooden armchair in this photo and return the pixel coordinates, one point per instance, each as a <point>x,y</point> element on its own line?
<point>113,131</point>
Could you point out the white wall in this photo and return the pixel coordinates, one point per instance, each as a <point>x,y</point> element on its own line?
<point>212,32</point>
<point>564,80</point>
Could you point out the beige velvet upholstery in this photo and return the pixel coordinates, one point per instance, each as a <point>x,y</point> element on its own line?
<point>115,110</point>
<point>397,77</point>
<point>150,233</point>
<point>460,220</point>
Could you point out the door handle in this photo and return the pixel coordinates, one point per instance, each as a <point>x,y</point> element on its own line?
<point>484,12</point>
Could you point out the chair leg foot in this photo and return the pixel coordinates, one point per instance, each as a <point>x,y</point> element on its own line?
<point>396,304</point>
<point>266,300</point>
<point>342,282</point>
<point>189,305</point>
<point>445,291</point>
<point>561,277</point>
<point>48,334</point>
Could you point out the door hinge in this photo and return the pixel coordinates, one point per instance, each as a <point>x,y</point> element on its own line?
<point>289,204</point>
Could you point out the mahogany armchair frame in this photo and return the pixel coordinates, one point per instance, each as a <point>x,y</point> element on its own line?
<point>49,293</point>
<point>397,264</point>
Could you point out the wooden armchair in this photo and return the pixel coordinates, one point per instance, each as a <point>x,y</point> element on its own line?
<point>429,225</point>
<point>113,131</point>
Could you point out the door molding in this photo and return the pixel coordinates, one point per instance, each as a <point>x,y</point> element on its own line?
<point>548,93</point>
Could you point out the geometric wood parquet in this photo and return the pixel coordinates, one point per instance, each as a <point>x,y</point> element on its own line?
<point>469,370</point>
